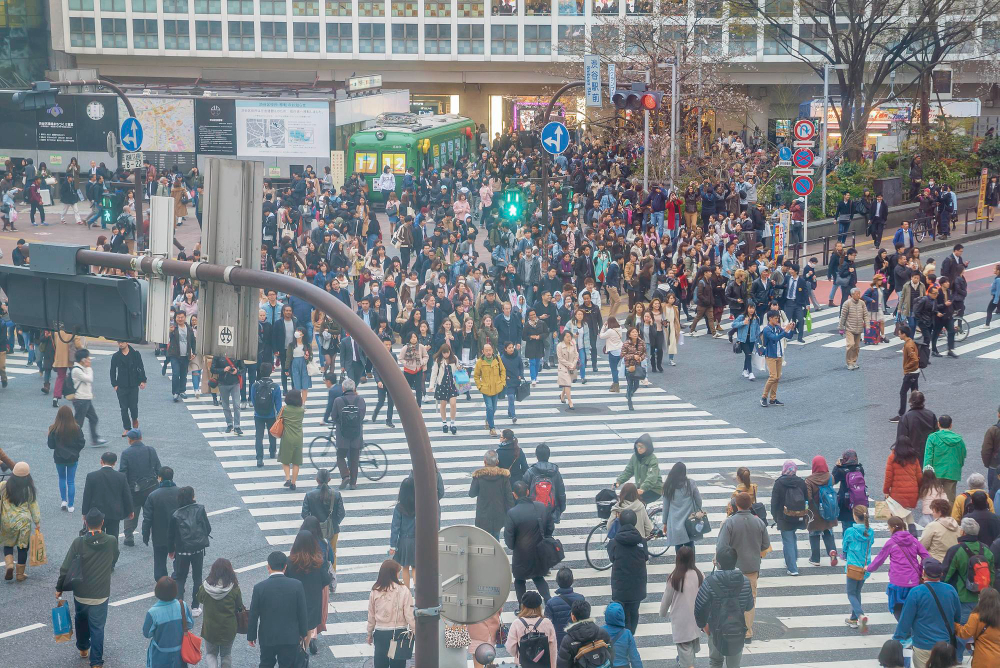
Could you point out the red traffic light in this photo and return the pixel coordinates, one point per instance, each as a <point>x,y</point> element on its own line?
<point>648,102</point>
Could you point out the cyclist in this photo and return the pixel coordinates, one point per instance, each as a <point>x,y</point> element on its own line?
<point>645,468</point>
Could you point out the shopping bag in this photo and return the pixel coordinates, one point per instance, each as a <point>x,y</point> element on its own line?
<point>872,334</point>
<point>809,321</point>
<point>62,625</point>
<point>882,512</point>
<point>759,362</point>
<point>36,549</point>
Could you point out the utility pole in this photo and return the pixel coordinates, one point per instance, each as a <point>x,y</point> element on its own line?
<point>674,116</point>
<point>545,160</point>
<point>826,112</point>
<point>645,143</point>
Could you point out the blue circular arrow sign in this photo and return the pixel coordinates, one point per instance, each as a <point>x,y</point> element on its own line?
<point>555,137</point>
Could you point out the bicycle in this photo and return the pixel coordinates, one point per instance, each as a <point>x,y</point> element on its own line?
<point>372,461</point>
<point>961,328</point>
<point>596,547</point>
<point>920,229</point>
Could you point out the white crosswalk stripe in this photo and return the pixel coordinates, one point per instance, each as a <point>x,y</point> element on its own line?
<point>18,365</point>
<point>797,615</point>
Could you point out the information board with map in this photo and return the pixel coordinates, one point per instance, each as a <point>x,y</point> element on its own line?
<point>288,128</point>
<point>167,124</point>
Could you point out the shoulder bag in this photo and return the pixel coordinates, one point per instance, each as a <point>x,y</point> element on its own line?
<point>278,428</point>
<point>242,620</point>
<point>947,622</point>
<point>858,572</point>
<point>696,526</point>
<point>191,644</point>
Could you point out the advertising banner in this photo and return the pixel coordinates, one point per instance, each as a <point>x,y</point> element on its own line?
<point>282,128</point>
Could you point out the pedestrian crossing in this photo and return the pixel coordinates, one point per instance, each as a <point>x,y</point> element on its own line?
<point>800,620</point>
<point>19,367</point>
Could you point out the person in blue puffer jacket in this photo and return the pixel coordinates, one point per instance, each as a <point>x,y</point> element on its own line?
<point>559,607</point>
<point>746,328</point>
<point>622,640</point>
<point>994,296</point>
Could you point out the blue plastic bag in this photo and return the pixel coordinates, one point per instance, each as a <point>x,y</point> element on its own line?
<point>62,626</point>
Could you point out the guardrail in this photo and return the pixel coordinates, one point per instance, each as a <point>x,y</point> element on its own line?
<point>826,244</point>
<point>976,222</point>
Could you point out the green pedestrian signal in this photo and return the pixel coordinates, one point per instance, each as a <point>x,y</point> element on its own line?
<point>111,208</point>
<point>513,204</point>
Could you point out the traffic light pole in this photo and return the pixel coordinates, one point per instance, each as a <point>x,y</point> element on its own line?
<point>424,469</point>
<point>545,163</point>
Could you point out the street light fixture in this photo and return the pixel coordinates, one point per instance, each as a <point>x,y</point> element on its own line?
<point>826,107</point>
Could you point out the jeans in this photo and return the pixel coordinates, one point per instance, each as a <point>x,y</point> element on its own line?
<point>613,359</point>
<point>83,409</point>
<point>716,658</point>
<point>383,396</point>
<point>828,543</point>
<point>67,482</point>
<point>90,621</point>
<point>657,219</point>
<point>511,393</point>
<point>747,356</point>
<point>521,586</point>
<point>583,363</point>
<point>854,597</point>
<point>491,408</point>
<point>196,380</point>
<point>230,393</point>
<point>842,229</point>
<point>262,426</point>
<point>790,550</point>
<point>218,656</point>
<point>533,365</point>
<point>179,370</point>
<point>181,564</point>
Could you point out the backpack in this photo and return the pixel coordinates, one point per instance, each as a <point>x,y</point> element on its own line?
<point>924,355</point>
<point>977,572</point>
<point>726,623</point>
<point>69,388</point>
<point>533,646</point>
<point>543,491</point>
<point>263,402</point>
<point>596,654</point>
<point>350,420</point>
<point>795,504</point>
<point>613,528</point>
<point>192,533</point>
<point>829,510</point>
<point>966,501</point>
<point>857,491</point>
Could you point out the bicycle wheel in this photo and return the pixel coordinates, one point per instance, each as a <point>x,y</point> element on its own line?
<point>657,543</point>
<point>919,233</point>
<point>596,548</point>
<point>961,329</point>
<point>322,453</point>
<point>372,462</point>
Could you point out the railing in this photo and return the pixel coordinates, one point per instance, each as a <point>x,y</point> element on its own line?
<point>799,250</point>
<point>971,183</point>
<point>976,222</point>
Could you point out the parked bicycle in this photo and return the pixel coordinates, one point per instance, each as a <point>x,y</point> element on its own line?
<point>372,462</point>
<point>596,547</point>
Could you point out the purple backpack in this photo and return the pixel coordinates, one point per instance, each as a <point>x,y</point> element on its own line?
<point>857,491</point>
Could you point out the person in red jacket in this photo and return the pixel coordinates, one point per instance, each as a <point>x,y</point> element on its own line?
<point>35,198</point>
<point>902,477</point>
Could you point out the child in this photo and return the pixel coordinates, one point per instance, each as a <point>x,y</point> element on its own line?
<point>858,540</point>
<point>930,489</point>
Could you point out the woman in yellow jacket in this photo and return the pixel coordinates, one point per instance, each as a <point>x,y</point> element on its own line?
<point>491,379</point>
<point>984,629</point>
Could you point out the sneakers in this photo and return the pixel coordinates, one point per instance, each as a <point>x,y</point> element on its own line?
<point>814,563</point>
<point>229,428</point>
<point>746,374</point>
<point>237,431</point>
<point>750,376</point>
<point>70,509</point>
<point>63,505</point>
<point>673,363</point>
<point>894,418</point>
<point>177,398</point>
<point>793,574</point>
<point>454,430</point>
<point>389,423</point>
<point>775,402</point>
<point>833,557</point>
<point>853,623</point>
<point>763,402</point>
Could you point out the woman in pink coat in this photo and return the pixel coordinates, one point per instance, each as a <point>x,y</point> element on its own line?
<point>906,556</point>
<point>530,619</point>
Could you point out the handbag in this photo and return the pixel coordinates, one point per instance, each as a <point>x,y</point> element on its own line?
<point>36,549</point>
<point>278,428</point>
<point>242,620</point>
<point>461,376</point>
<point>638,372</point>
<point>858,572</point>
<point>737,347</point>
<point>312,368</point>
<point>190,644</point>
<point>401,645</point>
<point>695,526</point>
<point>523,391</point>
<point>501,635</point>
<point>457,636</point>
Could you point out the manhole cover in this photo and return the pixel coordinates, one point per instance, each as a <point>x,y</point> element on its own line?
<point>768,630</point>
<point>585,410</point>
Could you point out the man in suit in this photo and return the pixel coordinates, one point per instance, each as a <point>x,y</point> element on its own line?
<point>951,264</point>
<point>282,337</point>
<point>107,490</point>
<point>156,513</point>
<point>277,615</point>
<point>352,359</point>
<point>876,226</point>
<point>140,465</point>
<point>432,313</point>
<point>760,291</point>
<point>796,299</point>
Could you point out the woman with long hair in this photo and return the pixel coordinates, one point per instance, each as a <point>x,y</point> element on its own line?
<point>681,498</point>
<point>390,615</point>
<point>402,536</point>
<point>633,355</point>
<point>678,605</point>
<point>905,555</point>
<point>467,350</point>
<point>535,333</point>
<point>628,499</point>
<point>66,439</point>
<point>580,330</point>
<point>652,336</point>
<point>326,505</point>
<point>983,628</point>
<point>530,619</point>
<point>671,326</point>
<point>301,356</point>
<point>414,359</point>
<point>568,358</point>
<point>18,511</point>
<point>858,540</point>
<point>443,384</point>
<point>290,450</point>
<point>305,564</point>
<point>220,599</point>
<point>746,329</point>
<point>931,488</point>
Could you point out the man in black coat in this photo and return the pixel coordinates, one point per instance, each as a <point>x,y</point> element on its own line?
<point>917,424</point>
<point>283,336</point>
<point>128,376</point>
<point>180,352</point>
<point>352,359</point>
<point>140,465</point>
<point>277,615</point>
<point>528,522</point>
<point>629,555</point>
<point>878,214</point>
<point>156,513</point>
<point>107,490</point>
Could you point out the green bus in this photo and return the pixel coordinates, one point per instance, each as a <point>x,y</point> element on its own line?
<point>403,140</point>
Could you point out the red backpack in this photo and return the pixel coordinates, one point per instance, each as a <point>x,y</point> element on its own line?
<point>544,492</point>
<point>977,574</point>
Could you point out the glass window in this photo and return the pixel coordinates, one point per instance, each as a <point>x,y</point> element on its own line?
<point>775,41</point>
<point>778,7</point>
<point>113,34</point>
<point>991,37</point>
<point>537,40</point>
<point>305,7</point>
<point>305,36</point>
<point>538,7</point>
<point>572,8</point>
<point>81,5</point>
<point>144,6</point>
<point>503,40</point>
<point>272,7</point>
<point>504,8</point>
<point>397,161</point>
<point>364,163</point>
<point>711,9</point>
<point>470,9</point>
<point>708,40</point>
<point>742,39</point>
<point>338,8</point>
<point>176,35</point>
<point>404,8</point>
<point>208,35</point>
<point>638,6</point>
<point>470,39</point>
<point>243,7</point>
<point>82,31</point>
<point>175,6</point>
<point>371,39</point>
<point>570,40</point>
<point>437,38</point>
<point>241,36</point>
<point>371,8</point>
<point>144,34</point>
<point>338,37</point>
<point>437,10</point>
<point>404,38</point>
<point>812,39</point>
<point>112,6</point>
<point>741,10</point>
<point>605,7</point>
<point>273,36</point>
<point>605,35</point>
<point>208,7</point>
